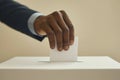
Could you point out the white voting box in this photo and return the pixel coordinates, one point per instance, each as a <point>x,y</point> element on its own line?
<point>40,68</point>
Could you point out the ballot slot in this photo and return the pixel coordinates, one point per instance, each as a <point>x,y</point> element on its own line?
<point>60,61</point>
<point>48,61</point>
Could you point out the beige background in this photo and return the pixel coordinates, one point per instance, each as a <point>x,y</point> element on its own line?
<point>96,22</point>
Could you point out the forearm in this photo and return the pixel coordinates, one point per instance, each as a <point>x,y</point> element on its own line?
<point>16,16</point>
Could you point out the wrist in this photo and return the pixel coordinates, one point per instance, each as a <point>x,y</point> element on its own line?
<point>37,27</point>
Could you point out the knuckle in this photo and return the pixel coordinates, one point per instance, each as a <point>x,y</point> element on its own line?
<point>71,28</point>
<point>65,30</point>
<point>58,32</point>
<point>56,13</point>
<point>50,16</point>
<point>62,11</point>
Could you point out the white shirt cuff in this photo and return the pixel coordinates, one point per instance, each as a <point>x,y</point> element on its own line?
<point>31,21</point>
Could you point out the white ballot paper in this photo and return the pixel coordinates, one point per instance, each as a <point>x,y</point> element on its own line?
<point>70,55</point>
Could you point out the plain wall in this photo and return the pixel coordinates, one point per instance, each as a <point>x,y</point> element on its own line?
<point>96,23</point>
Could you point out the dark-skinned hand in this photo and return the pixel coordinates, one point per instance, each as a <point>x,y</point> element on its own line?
<point>58,28</point>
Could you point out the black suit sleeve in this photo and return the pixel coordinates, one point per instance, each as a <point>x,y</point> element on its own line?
<point>16,16</point>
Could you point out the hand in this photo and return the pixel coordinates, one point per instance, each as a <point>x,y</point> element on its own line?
<point>58,27</point>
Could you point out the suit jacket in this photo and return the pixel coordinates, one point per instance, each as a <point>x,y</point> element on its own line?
<point>16,16</point>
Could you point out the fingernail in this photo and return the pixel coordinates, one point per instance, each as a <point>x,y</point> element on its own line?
<point>52,47</point>
<point>60,49</point>
<point>66,47</point>
<point>71,42</point>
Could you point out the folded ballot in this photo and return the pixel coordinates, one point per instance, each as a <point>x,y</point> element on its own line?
<point>69,55</point>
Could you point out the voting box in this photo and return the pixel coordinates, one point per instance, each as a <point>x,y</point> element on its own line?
<point>40,68</point>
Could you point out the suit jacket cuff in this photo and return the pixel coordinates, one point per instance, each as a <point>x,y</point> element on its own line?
<point>31,21</point>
